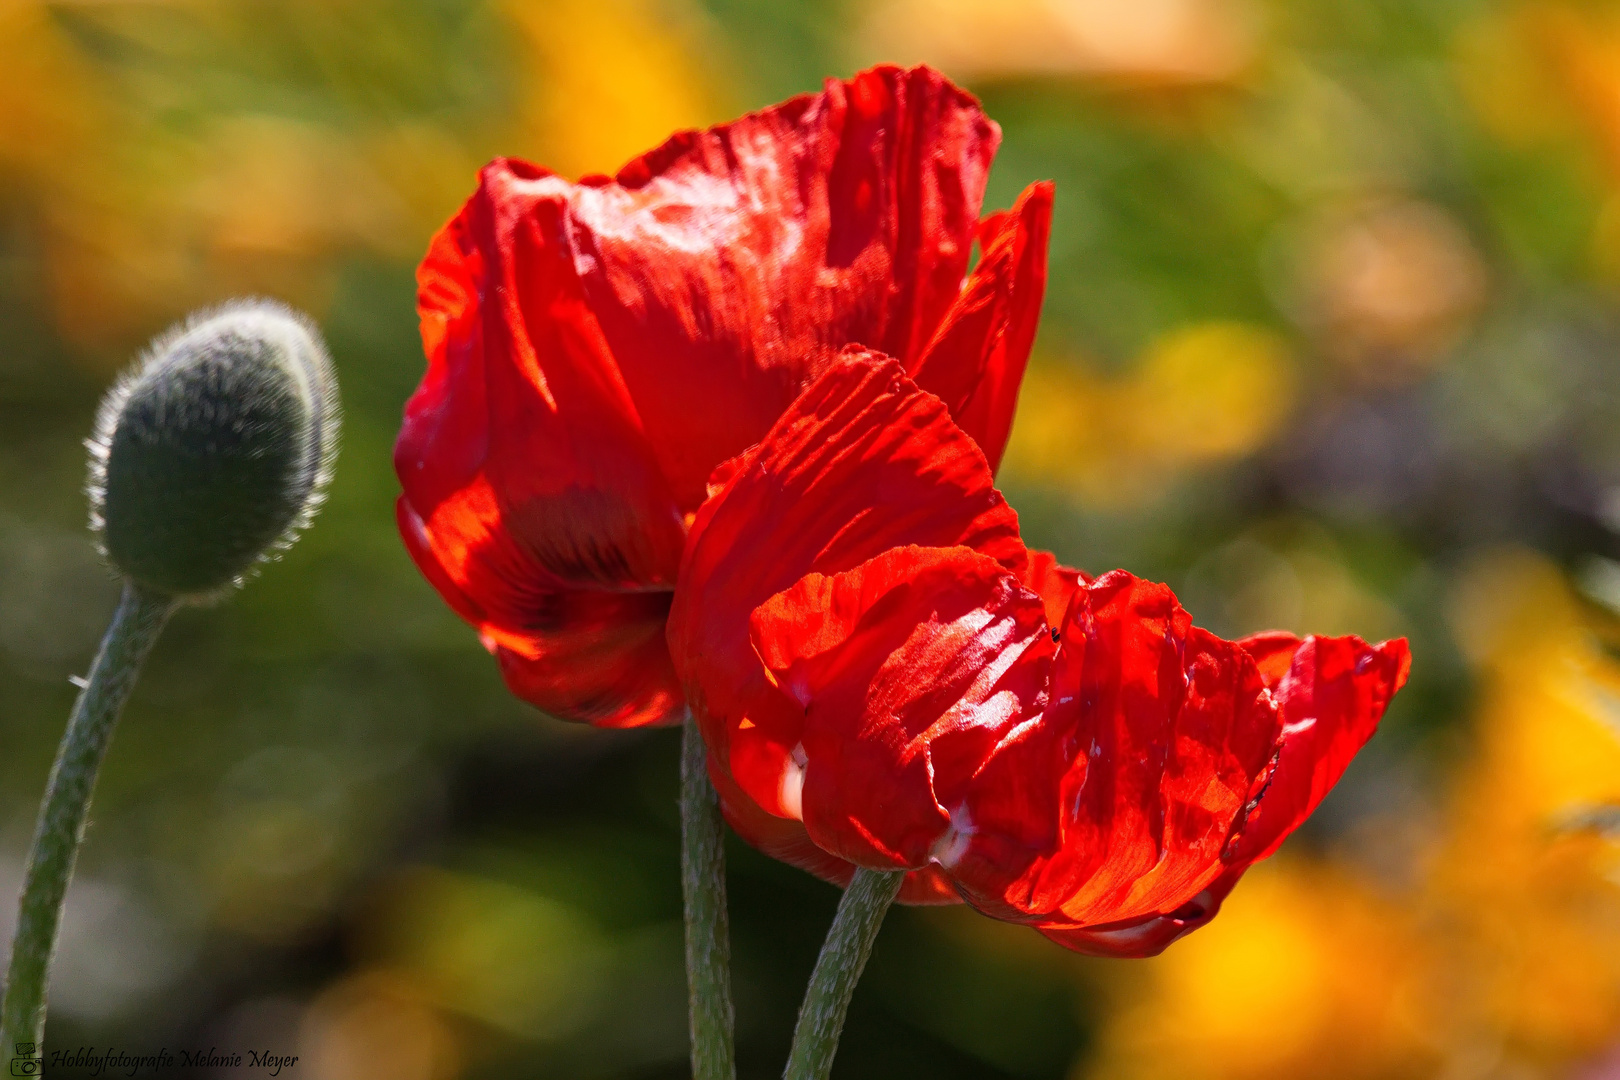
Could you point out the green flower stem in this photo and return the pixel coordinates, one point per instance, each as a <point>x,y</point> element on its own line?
<point>838,968</point>
<point>708,929</point>
<point>135,627</point>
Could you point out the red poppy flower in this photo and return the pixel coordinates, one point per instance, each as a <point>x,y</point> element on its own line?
<point>595,349</point>
<point>886,678</point>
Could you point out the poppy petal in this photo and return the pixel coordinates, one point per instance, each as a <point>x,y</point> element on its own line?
<point>1150,935</point>
<point>861,462</point>
<point>1331,699</point>
<point>517,374</point>
<point>727,266</point>
<point>564,570</point>
<point>1054,583</point>
<point>909,670</point>
<point>1174,731</point>
<point>606,664</point>
<point>788,840</point>
<point>1273,652</point>
<point>588,655</point>
<point>976,359</point>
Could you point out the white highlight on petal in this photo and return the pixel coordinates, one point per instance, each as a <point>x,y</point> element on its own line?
<point>1002,639</point>
<point>417,526</point>
<point>790,789</point>
<point>1299,726</point>
<point>953,842</point>
<point>993,712</point>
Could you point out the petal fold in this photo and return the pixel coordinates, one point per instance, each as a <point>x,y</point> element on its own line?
<point>862,462</point>
<point>977,357</point>
<point>589,655</point>
<point>910,669</point>
<point>1175,730</point>
<point>1149,935</point>
<point>1160,733</point>
<point>1331,698</point>
<point>1054,583</point>
<point>518,375</point>
<point>728,266</point>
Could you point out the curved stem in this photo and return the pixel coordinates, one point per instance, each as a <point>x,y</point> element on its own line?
<point>135,627</point>
<point>708,931</point>
<point>838,968</point>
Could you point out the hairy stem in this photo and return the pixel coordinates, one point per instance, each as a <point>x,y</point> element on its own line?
<point>838,968</point>
<point>135,627</point>
<point>708,929</point>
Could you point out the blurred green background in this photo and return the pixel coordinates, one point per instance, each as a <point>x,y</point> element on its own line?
<point>1332,344</point>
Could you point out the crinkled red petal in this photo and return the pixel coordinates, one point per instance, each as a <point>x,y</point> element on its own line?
<point>788,840</point>
<point>1155,736</point>
<point>1054,583</point>
<point>522,425</point>
<point>861,463</point>
<point>1273,652</point>
<point>590,655</point>
<point>1331,697</point>
<point>976,360</point>
<point>1174,730</point>
<point>565,570</point>
<point>909,669</point>
<point>727,266</point>
<point>1149,935</point>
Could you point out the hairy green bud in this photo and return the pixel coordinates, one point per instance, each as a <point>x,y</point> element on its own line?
<point>214,450</point>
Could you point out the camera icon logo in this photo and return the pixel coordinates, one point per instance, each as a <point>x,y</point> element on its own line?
<point>26,1062</point>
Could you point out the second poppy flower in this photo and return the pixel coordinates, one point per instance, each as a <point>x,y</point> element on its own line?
<point>886,678</point>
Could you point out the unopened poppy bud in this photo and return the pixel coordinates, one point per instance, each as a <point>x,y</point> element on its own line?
<point>214,450</point>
